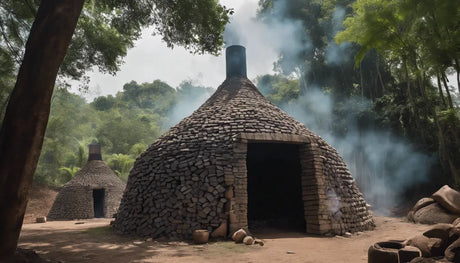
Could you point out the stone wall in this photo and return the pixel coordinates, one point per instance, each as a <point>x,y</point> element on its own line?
<point>194,176</point>
<point>75,202</point>
<point>75,199</point>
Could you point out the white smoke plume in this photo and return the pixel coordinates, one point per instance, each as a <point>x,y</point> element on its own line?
<point>383,165</point>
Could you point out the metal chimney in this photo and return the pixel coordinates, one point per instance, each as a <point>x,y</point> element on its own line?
<point>94,151</point>
<point>236,61</point>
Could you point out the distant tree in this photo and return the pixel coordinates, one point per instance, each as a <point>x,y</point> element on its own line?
<point>103,103</point>
<point>196,25</point>
<point>279,89</point>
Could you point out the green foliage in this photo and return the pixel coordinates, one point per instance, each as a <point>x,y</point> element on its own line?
<point>278,89</point>
<point>399,48</point>
<point>121,164</point>
<point>107,28</point>
<point>124,124</point>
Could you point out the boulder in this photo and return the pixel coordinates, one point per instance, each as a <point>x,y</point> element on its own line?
<point>433,214</point>
<point>422,203</point>
<point>248,240</point>
<point>448,198</point>
<point>429,247</point>
<point>410,216</point>
<point>445,232</point>
<point>239,235</point>
<point>41,219</point>
<point>259,241</point>
<point>452,253</point>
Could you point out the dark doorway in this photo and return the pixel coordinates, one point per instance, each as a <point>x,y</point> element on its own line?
<point>274,187</point>
<point>98,201</point>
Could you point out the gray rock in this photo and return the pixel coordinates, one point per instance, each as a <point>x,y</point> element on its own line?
<point>433,214</point>
<point>248,240</point>
<point>239,236</point>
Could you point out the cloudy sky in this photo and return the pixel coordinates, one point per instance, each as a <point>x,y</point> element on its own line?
<point>150,59</point>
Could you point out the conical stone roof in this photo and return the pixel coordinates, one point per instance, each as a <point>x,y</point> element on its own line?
<point>194,176</point>
<point>75,199</point>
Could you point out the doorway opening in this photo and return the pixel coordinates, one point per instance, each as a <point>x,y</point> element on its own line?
<point>98,202</point>
<point>274,187</point>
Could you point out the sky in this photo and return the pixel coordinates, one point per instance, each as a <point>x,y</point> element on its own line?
<point>151,59</point>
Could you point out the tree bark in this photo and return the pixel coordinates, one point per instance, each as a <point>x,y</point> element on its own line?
<point>440,91</point>
<point>449,98</point>
<point>457,69</point>
<point>26,117</point>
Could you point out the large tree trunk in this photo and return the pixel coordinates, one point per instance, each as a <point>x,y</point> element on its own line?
<point>24,125</point>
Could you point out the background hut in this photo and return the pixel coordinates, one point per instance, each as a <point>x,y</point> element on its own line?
<point>95,191</point>
<point>235,162</point>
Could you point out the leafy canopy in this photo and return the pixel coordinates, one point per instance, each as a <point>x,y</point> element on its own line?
<point>107,28</point>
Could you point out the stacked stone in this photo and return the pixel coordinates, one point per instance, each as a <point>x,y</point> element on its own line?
<point>75,200</point>
<point>195,177</point>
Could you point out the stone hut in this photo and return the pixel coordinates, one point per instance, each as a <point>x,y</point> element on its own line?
<point>239,162</point>
<point>95,191</point>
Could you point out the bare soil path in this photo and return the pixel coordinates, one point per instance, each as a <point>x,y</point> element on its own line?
<point>93,241</point>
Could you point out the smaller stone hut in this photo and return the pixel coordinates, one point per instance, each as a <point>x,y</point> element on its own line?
<point>95,191</point>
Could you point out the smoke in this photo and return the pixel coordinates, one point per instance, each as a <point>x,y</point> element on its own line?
<point>383,165</point>
<point>265,39</point>
<point>190,96</point>
<point>337,54</point>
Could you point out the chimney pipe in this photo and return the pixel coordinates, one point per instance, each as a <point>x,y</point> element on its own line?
<point>236,61</point>
<point>94,151</point>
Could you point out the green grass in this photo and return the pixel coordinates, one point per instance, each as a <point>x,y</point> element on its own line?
<point>99,231</point>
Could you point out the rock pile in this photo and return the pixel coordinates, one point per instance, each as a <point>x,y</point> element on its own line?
<point>440,243</point>
<point>442,207</point>
<point>241,236</point>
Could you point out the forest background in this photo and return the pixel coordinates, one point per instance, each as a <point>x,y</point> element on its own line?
<point>383,100</point>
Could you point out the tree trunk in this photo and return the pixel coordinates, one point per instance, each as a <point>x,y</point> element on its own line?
<point>440,91</point>
<point>26,117</point>
<point>457,69</point>
<point>449,98</point>
<point>380,76</point>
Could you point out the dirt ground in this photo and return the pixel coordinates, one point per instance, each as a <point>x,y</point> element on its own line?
<point>93,241</point>
<point>41,198</point>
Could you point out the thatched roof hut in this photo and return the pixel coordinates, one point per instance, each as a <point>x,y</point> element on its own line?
<point>236,162</point>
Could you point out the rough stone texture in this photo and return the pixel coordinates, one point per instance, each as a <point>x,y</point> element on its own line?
<point>260,242</point>
<point>41,219</point>
<point>75,200</point>
<point>195,176</point>
<point>239,236</point>
<point>429,247</point>
<point>452,253</point>
<point>422,203</point>
<point>448,198</point>
<point>433,214</point>
<point>248,240</point>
